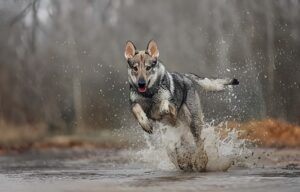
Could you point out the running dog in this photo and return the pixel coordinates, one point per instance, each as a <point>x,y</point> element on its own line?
<point>158,95</point>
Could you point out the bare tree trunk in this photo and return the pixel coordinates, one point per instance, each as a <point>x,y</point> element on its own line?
<point>77,101</point>
<point>35,24</point>
<point>270,60</point>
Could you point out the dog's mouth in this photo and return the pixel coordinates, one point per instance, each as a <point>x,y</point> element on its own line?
<point>142,89</point>
<point>142,86</point>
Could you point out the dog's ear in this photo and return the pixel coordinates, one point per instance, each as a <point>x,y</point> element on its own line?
<point>152,49</point>
<point>129,50</point>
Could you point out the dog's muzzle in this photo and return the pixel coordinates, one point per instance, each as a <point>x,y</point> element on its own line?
<point>142,86</point>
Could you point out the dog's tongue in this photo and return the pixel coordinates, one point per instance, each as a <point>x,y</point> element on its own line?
<point>142,90</point>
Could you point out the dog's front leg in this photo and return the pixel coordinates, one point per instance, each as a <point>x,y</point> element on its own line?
<point>142,118</point>
<point>168,108</point>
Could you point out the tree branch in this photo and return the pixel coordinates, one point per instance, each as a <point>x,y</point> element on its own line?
<point>18,17</point>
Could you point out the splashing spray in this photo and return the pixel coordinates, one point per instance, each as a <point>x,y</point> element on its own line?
<point>222,152</point>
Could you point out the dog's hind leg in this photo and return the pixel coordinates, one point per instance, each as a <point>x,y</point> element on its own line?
<point>196,116</point>
<point>199,158</point>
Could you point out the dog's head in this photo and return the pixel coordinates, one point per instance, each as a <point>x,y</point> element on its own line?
<point>143,66</point>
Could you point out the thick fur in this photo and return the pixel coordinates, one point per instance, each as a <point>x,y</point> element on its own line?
<point>168,97</point>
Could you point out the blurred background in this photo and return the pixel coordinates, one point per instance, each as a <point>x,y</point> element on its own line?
<point>62,66</point>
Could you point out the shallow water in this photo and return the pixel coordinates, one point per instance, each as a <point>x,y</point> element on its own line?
<point>117,170</point>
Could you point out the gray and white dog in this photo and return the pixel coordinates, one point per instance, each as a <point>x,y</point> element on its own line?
<point>158,95</point>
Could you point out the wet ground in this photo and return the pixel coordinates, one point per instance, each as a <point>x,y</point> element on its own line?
<point>115,170</point>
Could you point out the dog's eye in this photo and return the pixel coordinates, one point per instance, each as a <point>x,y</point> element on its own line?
<point>135,68</point>
<point>130,63</point>
<point>148,68</point>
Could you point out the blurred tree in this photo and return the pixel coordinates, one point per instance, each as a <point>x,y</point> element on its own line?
<point>61,62</point>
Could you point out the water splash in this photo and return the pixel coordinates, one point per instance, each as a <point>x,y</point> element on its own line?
<point>155,151</point>
<point>222,152</point>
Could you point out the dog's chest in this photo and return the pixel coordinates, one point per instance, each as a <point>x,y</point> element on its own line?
<point>151,107</point>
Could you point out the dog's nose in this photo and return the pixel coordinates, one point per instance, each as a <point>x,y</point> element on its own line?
<point>142,83</point>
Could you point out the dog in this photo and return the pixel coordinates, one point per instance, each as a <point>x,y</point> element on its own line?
<point>158,95</point>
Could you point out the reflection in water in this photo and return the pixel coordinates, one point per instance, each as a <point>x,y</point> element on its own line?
<point>110,170</point>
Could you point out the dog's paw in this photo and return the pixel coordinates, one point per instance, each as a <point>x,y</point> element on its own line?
<point>148,127</point>
<point>164,107</point>
<point>200,158</point>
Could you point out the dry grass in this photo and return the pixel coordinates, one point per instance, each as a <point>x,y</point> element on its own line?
<point>22,138</point>
<point>266,133</point>
<point>269,132</point>
<point>16,137</point>
<point>87,140</point>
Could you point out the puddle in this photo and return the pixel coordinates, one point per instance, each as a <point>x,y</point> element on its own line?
<point>111,170</point>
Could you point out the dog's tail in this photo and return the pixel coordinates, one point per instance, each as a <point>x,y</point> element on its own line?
<point>212,84</point>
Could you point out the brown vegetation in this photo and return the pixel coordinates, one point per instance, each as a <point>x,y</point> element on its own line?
<point>269,132</point>
<point>14,137</point>
<point>265,133</point>
<point>17,139</point>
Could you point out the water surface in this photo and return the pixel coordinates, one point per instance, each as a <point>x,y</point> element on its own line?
<point>116,170</point>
